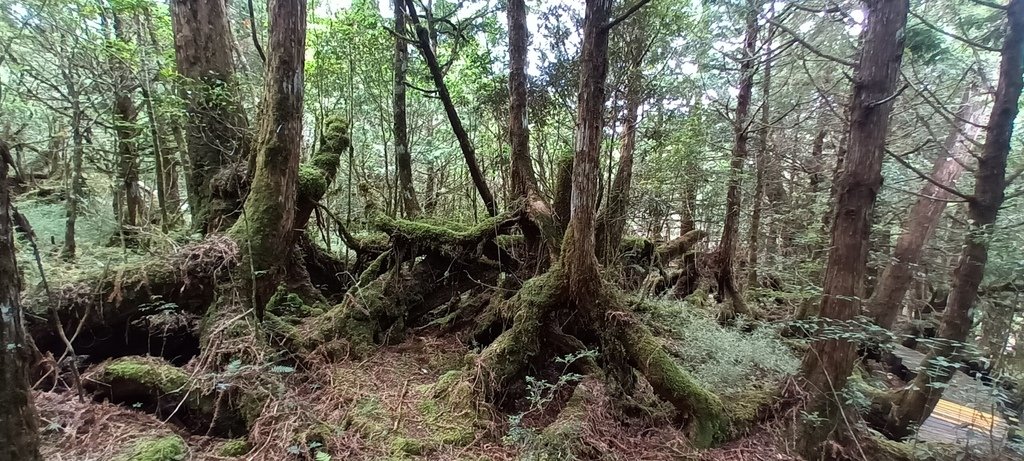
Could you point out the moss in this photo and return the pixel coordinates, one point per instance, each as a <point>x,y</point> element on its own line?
<point>151,372</point>
<point>449,412</point>
<point>406,446</point>
<point>368,418</point>
<point>563,439</point>
<point>743,409</point>
<point>708,420</point>
<point>284,302</point>
<point>168,448</point>
<point>312,182</point>
<point>234,447</point>
<point>449,239</point>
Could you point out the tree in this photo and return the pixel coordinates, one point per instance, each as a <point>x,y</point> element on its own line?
<point>887,298</point>
<point>403,159</point>
<point>19,426</point>
<point>216,130</point>
<point>828,363</point>
<point>913,404</point>
<point>728,294</point>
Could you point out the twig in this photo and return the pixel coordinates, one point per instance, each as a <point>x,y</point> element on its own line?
<point>401,405</point>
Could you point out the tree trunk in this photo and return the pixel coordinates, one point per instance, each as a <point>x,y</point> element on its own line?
<point>915,403</point>
<point>541,232</point>
<point>268,223</point>
<point>129,202</point>
<point>729,295</point>
<point>761,163</point>
<point>578,247</point>
<point>468,151</point>
<point>216,128</point>
<point>74,197</point>
<point>611,222</point>
<point>168,197</point>
<point>827,365</point>
<point>887,299</point>
<point>403,158</point>
<point>19,426</point>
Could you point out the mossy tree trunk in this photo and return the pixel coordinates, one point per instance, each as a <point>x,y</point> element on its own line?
<point>827,365</point>
<point>19,426</point>
<point>216,130</point>
<point>539,312</point>
<point>915,403</point>
<point>266,227</point>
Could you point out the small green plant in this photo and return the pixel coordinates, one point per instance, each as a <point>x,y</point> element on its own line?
<point>539,394</point>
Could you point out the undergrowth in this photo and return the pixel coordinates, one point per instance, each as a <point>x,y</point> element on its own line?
<point>725,359</point>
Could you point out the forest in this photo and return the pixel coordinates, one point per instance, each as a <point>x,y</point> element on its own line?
<point>511,230</point>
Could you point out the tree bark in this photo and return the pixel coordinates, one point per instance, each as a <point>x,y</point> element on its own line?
<point>216,128</point>
<point>887,299</point>
<point>268,222</point>
<point>611,222</point>
<point>578,246</point>
<point>827,365</point>
<point>915,403</point>
<point>403,158</point>
<point>468,151</point>
<point>541,232</point>
<point>129,202</point>
<point>761,164</point>
<point>77,179</point>
<point>19,425</point>
<point>729,295</point>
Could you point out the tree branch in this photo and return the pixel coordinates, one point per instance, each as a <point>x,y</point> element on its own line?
<point>627,14</point>
<point>925,176</point>
<point>810,47</point>
<point>952,35</point>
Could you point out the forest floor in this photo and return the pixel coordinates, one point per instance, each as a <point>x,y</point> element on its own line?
<point>382,408</point>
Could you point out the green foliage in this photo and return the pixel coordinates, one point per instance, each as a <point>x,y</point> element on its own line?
<point>540,393</point>
<point>721,358</point>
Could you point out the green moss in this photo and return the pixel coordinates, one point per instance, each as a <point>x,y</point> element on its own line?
<point>153,373</point>
<point>708,420</point>
<point>234,447</point>
<point>169,448</point>
<point>284,302</point>
<point>744,408</point>
<point>450,415</point>
<point>312,182</point>
<point>406,446</point>
<point>369,419</point>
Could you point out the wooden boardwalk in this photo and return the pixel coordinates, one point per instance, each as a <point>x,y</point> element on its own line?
<point>968,413</point>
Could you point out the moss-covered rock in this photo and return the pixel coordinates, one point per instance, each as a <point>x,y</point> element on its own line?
<point>449,410</point>
<point>168,448</point>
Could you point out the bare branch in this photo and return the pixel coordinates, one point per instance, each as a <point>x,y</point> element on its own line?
<point>811,47</point>
<point>627,14</point>
<point>925,176</point>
